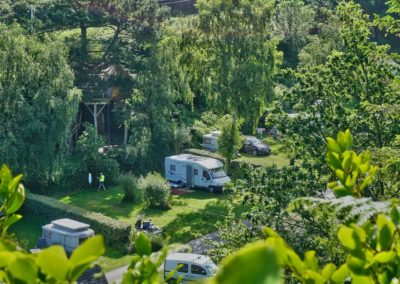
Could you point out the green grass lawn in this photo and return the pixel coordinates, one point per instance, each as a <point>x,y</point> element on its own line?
<point>277,157</point>
<point>192,214</point>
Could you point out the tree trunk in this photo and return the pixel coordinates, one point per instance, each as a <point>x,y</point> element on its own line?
<point>84,41</point>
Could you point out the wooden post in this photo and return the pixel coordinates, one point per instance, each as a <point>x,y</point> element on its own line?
<point>95,116</point>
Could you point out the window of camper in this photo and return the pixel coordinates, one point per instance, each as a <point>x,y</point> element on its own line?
<point>206,175</point>
<point>207,140</point>
<point>195,172</point>
<point>172,167</point>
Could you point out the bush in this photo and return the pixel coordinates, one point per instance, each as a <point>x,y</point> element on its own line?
<point>156,191</point>
<point>132,193</point>
<point>115,232</point>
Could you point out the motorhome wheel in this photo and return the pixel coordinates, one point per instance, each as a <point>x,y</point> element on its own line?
<point>210,189</point>
<point>255,152</point>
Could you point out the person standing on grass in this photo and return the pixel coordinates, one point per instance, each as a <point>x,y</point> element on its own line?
<point>102,179</point>
<point>90,179</point>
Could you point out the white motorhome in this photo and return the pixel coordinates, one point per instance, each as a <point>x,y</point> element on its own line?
<point>210,141</point>
<point>192,267</point>
<point>196,171</point>
<point>65,232</point>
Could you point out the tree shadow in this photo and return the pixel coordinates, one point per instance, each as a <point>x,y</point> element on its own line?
<point>188,226</point>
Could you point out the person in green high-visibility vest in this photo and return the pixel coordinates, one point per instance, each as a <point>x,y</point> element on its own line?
<point>102,179</point>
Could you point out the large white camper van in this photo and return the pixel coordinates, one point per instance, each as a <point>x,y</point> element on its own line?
<point>196,171</point>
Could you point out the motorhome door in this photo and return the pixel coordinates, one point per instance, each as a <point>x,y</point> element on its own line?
<point>189,175</point>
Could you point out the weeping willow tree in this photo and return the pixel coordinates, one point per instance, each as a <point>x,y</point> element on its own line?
<point>37,104</point>
<point>230,43</point>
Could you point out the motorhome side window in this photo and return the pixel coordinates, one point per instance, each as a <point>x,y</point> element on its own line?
<point>183,267</point>
<point>207,140</point>
<point>206,175</point>
<point>198,270</point>
<point>195,172</point>
<point>172,167</point>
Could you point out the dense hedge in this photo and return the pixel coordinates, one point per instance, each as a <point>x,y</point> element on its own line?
<point>116,233</point>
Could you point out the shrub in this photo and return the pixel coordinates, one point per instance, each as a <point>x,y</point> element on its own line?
<point>115,232</point>
<point>129,183</point>
<point>156,191</point>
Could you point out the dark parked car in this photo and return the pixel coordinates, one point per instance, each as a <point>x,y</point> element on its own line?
<point>255,146</point>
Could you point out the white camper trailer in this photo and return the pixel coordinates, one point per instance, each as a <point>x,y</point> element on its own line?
<point>65,232</point>
<point>196,171</point>
<point>210,141</point>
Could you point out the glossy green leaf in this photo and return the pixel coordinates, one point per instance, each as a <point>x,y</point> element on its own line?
<point>386,231</point>
<point>255,263</point>
<point>333,145</point>
<point>347,239</point>
<point>384,257</point>
<point>84,255</point>
<point>24,269</point>
<point>328,271</point>
<point>341,274</point>
<point>311,261</point>
<point>53,261</point>
<point>356,265</point>
<point>16,199</point>
<point>142,244</point>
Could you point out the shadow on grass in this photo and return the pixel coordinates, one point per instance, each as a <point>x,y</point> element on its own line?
<point>188,226</point>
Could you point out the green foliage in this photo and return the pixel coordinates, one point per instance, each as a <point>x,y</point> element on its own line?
<point>116,233</point>
<point>132,193</point>
<point>294,20</point>
<point>87,159</point>
<point>145,264</point>
<point>38,104</point>
<point>50,265</point>
<point>355,88</point>
<point>232,65</point>
<point>12,196</point>
<point>371,247</point>
<point>156,191</point>
<point>354,172</point>
<point>229,142</point>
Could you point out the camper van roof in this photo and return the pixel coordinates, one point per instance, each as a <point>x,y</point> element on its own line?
<point>206,162</point>
<point>70,225</point>
<point>189,257</point>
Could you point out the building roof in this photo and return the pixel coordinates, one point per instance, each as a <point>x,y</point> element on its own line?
<point>206,162</point>
<point>189,257</point>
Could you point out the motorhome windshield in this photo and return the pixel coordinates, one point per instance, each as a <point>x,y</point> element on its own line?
<point>218,173</point>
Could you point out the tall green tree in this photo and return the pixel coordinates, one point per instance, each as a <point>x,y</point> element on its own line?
<point>293,21</point>
<point>355,88</point>
<point>38,103</point>
<point>229,142</point>
<point>232,48</point>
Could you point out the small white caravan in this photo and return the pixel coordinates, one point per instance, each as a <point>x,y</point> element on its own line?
<point>192,267</point>
<point>210,141</point>
<point>196,171</point>
<point>65,232</point>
